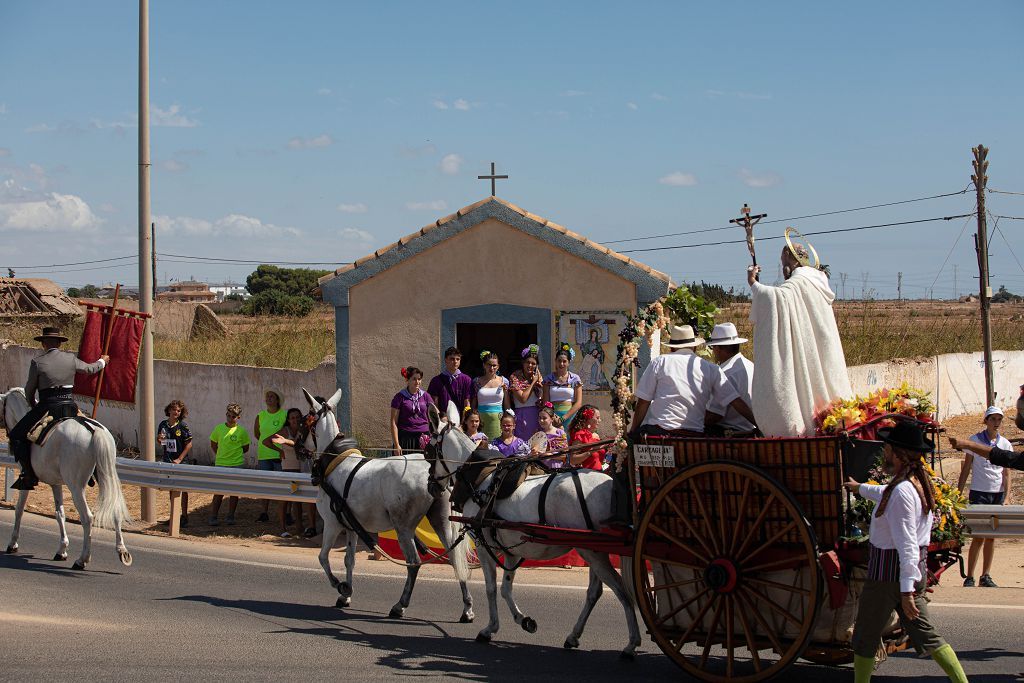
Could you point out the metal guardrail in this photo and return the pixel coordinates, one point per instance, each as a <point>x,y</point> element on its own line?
<point>994,521</point>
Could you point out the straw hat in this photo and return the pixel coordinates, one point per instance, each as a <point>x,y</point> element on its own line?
<point>682,337</point>
<point>724,334</point>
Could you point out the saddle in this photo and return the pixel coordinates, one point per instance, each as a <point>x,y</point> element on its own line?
<point>42,429</point>
<point>509,475</point>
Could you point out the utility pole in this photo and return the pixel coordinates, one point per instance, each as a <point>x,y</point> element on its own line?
<point>842,277</point>
<point>980,179</point>
<point>956,289</point>
<point>899,286</point>
<point>864,275</point>
<point>147,429</point>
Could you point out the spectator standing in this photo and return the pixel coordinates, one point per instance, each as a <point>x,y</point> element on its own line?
<point>452,384</point>
<point>990,485</point>
<point>508,444</point>
<point>268,422</point>
<point>490,395</point>
<point>286,440</point>
<point>229,443</point>
<point>563,389</point>
<point>175,439</point>
<point>409,412</point>
<point>586,425</point>
<point>527,387</point>
<point>554,436</point>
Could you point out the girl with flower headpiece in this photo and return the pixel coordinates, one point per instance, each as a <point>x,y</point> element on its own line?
<point>490,395</point>
<point>409,412</point>
<point>554,438</point>
<point>585,431</point>
<point>508,444</point>
<point>563,389</point>
<point>527,386</point>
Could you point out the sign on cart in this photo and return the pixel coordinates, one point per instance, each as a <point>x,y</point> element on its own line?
<point>654,456</point>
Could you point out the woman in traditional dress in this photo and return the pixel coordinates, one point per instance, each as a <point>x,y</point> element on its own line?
<point>527,386</point>
<point>563,389</point>
<point>409,412</point>
<point>490,395</point>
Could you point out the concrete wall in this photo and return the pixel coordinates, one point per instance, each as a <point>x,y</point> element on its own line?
<point>205,389</point>
<point>395,316</point>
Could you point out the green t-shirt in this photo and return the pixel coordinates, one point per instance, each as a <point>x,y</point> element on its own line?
<point>230,442</point>
<point>270,423</point>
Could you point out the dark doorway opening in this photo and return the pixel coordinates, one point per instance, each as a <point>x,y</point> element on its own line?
<point>505,339</point>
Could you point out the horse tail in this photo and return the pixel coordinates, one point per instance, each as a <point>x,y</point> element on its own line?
<point>111,510</point>
<point>459,553</point>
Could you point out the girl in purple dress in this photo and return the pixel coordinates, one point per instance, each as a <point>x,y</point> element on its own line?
<point>508,444</point>
<point>527,386</point>
<point>409,413</point>
<point>471,428</point>
<point>554,436</point>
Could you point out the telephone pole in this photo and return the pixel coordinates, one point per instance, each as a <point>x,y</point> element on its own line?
<point>956,289</point>
<point>980,179</point>
<point>899,286</point>
<point>147,428</point>
<point>842,278</point>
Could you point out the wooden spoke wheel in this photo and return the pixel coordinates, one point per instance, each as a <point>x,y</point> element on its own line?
<point>734,587</point>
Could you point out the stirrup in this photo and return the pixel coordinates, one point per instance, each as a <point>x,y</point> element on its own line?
<point>24,483</point>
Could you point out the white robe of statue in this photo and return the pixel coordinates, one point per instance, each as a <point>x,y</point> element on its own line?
<point>799,363</point>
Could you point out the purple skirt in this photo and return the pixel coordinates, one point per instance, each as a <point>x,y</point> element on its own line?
<point>526,422</point>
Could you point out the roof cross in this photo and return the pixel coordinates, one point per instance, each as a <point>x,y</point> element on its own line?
<point>492,178</point>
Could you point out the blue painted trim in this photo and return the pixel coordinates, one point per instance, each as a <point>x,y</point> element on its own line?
<point>500,313</point>
<point>343,375</point>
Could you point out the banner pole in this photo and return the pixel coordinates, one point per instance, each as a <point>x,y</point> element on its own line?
<point>106,348</point>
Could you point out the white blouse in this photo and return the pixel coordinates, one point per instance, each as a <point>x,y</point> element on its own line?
<point>492,396</point>
<point>904,527</point>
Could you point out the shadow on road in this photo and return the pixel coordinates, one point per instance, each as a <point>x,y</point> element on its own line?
<point>400,649</point>
<point>30,563</point>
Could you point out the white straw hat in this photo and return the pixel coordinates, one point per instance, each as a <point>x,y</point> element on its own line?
<point>682,337</point>
<point>724,334</point>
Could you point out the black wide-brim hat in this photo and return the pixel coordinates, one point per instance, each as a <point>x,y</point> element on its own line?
<point>51,334</point>
<point>908,435</point>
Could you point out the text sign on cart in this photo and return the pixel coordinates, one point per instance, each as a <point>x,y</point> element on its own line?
<point>654,456</point>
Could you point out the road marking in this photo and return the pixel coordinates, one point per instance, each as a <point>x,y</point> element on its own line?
<point>974,606</point>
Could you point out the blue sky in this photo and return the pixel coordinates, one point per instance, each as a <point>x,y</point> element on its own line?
<point>320,131</point>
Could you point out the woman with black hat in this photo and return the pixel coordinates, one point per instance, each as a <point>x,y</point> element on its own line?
<point>900,532</point>
<point>53,375</point>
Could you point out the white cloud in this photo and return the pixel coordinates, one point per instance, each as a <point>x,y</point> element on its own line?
<point>461,104</point>
<point>355,235</point>
<point>174,166</point>
<point>450,164</point>
<point>4,152</point>
<point>324,140</point>
<point>54,212</point>
<point>439,104</point>
<point>172,117</point>
<point>324,91</point>
<point>678,179</point>
<point>434,205</point>
<point>40,128</point>
<point>233,225</point>
<point>107,207</point>
<point>357,207</point>
<point>574,93</point>
<point>632,105</point>
<point>659,97</point>
<point>3,107</point>
<point>752,179</point>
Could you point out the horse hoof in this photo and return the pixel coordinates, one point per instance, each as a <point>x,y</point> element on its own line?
<point>60,557</point>
<point>466,619</point>
<point>12,549</point>
<point>529,625</point>
<point>78,567</point>
<point>483,638</point>
<point>570,643</point>
<point>345,589</point>
<point>397,612</point>
<point>627,656</point>
<point>125,557</point>
<point>341,603</point>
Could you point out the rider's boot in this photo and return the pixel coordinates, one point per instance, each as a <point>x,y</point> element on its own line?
<point>27,480</point>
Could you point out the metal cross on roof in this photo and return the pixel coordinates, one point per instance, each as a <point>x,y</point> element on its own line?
<point>492,178</point>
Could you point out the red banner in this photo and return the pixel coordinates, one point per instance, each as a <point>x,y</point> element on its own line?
<point>125,342</point>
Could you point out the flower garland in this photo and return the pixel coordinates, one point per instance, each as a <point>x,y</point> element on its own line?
<point>637,327</point>
<point>846,414</point>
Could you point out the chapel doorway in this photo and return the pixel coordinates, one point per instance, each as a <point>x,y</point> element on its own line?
<point>505,339</point>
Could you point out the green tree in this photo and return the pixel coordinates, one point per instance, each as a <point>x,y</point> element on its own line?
<point>293,281</point>
<point>74,292</point>
<point>1004,296</point>
<point>275,302</point>
<point>89,291</point>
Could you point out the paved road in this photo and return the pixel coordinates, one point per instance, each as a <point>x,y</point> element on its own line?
<point>190,610</point>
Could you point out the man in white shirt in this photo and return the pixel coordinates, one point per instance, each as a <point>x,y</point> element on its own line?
<point>678,388</point>
<point>901,527</point>
<point>990,485</point>
<point>724,343</point>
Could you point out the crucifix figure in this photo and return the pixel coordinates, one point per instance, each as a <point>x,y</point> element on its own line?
<point>748,222</point>
<point>492,178</point>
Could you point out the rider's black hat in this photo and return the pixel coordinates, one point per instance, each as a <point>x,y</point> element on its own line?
<point>51,334</point>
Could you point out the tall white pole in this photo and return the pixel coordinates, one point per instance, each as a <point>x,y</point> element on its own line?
<point>147,429</point>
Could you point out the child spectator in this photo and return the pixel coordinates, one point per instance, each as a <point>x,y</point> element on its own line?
<point>553,434</point>
<point>588,419</point>
<point>229,443</point>
<point>471,427</point>
<point>284,441</point>
<point>452,384</point>
<point>175,439</point>
<point>508,444</point>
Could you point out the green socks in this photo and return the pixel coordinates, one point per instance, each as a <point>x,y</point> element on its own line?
<point>949,663</point>
<point>863,668</point>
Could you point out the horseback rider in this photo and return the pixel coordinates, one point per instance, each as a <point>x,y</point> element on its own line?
<point>53,375</point>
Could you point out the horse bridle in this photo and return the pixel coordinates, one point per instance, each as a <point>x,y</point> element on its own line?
<point>434,455</point>
<point>308,428</point>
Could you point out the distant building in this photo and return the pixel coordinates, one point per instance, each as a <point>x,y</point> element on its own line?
<point>35,299</point>
<point>190,291</point>
<point>229,289</point>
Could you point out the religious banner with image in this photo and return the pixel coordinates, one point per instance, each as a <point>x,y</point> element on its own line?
<point>593,335</point>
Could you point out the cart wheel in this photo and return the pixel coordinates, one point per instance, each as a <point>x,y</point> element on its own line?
<point>735,588</point>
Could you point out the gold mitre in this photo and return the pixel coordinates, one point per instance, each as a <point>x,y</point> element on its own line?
<point>801,249</point>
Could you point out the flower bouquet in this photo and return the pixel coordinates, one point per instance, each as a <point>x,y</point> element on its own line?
<point>863,413</point>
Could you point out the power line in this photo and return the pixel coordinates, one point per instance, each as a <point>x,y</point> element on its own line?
<point>792,218</point>
<point>200,259</point>
<point>76,263</point>
<point>807,234</point>
<point>1003,235</point>
<point>1009,218</point>
<point>1004,192</point>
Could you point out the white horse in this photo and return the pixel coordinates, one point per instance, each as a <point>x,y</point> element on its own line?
<point>69,457</point>
<point>562,509</point>
<point>386,493</point>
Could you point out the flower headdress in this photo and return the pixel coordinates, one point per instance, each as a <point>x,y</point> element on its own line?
<point>587,414</point>
<point>484,354</point>
<point>405,373</point>
<point>531,350</point>
<point>566,348</point>
<point>509,412</point>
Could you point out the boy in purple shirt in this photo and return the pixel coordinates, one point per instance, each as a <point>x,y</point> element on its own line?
<point>452,384</point>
